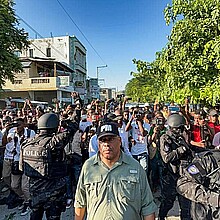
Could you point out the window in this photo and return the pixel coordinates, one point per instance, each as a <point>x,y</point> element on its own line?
<point>17,53</point>
<point>31,53</point>
<point>48,51</point>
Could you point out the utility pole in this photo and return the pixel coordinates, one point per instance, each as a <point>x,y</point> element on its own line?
<point>97,71</point>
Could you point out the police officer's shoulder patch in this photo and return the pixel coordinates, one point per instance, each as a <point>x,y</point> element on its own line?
<point>166,148</point>
<point>192,169</point>
<point>196,168</point>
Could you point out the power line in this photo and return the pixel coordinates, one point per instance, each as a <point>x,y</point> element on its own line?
<point>80,31</point>
<point>40,37</point>
<point>38,48</point>
<point>38,34</point>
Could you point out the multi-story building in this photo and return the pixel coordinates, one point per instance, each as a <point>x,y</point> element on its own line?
<point>53,68</point>
<point>93,89</point>
<point>43,80</point>
<point>107,93</point>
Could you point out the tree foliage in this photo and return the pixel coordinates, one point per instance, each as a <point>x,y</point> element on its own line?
<point>189,64</point>
<point>11,38</point>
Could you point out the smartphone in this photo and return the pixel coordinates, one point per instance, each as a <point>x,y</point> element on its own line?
<point>173,109</point>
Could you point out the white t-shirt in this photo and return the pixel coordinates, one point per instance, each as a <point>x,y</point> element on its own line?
<point>11,145</point>
<point>140,141</point>
<point>84,124</point>
<point>124,141</point>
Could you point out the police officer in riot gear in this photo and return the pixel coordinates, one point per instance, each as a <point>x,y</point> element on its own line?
<point>47,167</point>
<point>174,152</point>
<point>200,183</point>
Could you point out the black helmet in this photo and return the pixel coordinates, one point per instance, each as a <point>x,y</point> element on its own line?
<point>176,121</point>
<point>48,121</point>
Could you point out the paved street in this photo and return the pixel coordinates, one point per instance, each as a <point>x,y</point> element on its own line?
<point>14,214</point>
<point>68,215</point>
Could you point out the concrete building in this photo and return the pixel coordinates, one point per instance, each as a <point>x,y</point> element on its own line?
<point>42,80</point>
<point>93,89</point>
<point>53,68</point>
<point>64,49</point>
<point>107,93</point>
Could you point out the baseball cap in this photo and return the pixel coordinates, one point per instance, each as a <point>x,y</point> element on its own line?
<point>107,129</point>
<point>113,117</point>
<point>213,112</point>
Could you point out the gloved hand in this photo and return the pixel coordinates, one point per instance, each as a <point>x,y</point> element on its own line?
<point>181,150</point>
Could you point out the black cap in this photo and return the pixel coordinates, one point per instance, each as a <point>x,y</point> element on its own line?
<point>113,117</point>
<point>107,129</point>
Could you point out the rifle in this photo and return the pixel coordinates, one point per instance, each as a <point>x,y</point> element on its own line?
<point>180,141</point>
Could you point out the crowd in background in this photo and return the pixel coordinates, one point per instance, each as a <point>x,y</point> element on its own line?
<point>140,129</point>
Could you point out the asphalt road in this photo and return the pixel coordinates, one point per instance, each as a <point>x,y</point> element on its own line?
<point>14,214</point>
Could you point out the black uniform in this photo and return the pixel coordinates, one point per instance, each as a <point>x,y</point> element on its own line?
<point>49,194</point>
<point>48,177</point>
<point>200,183</point>
<point>174,157</point>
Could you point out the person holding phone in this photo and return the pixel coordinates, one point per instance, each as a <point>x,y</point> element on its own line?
<point>139,130</point>
<point>200,132</point>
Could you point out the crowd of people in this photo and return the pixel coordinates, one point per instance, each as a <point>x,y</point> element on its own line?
<point>128,155</point>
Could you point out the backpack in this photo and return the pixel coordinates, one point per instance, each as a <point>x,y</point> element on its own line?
<point>39,160</point>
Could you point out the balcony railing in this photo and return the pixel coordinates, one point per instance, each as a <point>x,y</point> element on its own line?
<point>40,83</point>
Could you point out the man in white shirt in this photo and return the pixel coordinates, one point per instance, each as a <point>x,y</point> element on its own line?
<point>139,131</point>
<point>19,182</point>
<point>83,124</point>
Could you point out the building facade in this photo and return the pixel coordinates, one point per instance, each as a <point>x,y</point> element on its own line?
<point>53,68</point>
<point>107,93</point>
<point>64,49</point>
<point>42,79</point>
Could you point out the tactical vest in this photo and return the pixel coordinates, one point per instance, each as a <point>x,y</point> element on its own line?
<point>214,178</point>
<point>40,161</point>
<point>211,179</point>
<point>200,211</point>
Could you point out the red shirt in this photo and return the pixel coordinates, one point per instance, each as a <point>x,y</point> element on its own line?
<point>196,134</point>
<point>216,127</point>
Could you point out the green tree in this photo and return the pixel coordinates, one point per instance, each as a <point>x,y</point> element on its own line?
<point>190,62</point>
<point>192,58</point>
<point>11,39</point>
<point>147,82</point>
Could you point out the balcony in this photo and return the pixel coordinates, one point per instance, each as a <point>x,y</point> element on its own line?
<point>34,84</point>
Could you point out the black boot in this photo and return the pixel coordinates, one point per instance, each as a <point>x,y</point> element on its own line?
<point>13,200</point>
